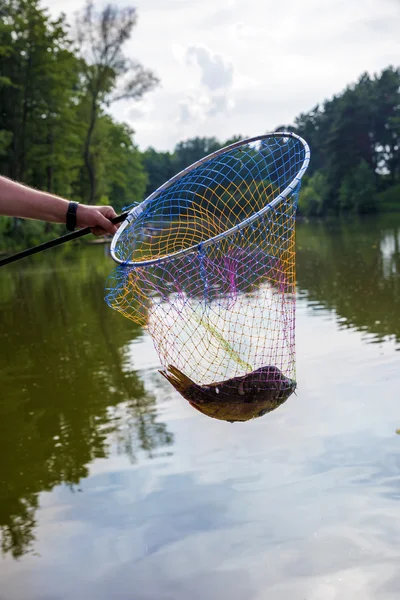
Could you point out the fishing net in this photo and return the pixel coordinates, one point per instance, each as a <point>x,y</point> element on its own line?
<point>207,266</point>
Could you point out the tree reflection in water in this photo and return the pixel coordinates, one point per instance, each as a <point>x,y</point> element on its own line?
<point>65,385</point>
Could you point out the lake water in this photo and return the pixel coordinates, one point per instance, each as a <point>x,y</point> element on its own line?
<point>112,486</point>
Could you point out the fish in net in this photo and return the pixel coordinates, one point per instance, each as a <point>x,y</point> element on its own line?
<point>207,265</point>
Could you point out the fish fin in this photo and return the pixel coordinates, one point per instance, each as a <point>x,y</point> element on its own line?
<point>178,379</point>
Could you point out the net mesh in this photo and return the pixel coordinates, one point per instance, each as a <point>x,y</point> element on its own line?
<point>221,313</point>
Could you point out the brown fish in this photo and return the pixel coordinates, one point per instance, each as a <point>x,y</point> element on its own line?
<point>236,399</point>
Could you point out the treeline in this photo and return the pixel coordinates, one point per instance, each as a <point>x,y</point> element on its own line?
<point>161,166</point>
<point>355,150</point>
<point>57,82</point>
<point>355,145</point>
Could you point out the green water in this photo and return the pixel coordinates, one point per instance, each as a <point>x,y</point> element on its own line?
<point>111,486</point>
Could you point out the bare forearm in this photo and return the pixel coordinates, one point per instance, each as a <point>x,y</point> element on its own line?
<point>17,200</point>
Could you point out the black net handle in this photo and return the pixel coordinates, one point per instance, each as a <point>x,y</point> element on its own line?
<point>55,242</point>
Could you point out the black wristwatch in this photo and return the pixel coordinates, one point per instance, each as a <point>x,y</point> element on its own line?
<point>71,216</point>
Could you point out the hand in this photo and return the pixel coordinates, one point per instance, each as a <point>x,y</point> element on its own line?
<point>97,218</point>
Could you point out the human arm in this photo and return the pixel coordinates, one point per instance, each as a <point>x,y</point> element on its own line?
<point>18,200</point>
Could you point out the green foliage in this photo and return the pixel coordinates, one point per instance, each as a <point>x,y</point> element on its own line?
<point>312,194</point>
<point>190,151</point>
<point>357,192</point>
<point>37,108</point>
<point>121,176</point>
<point>46,107</point>
<point>355,143</point>
<point>5,141</point>
<point>389,200</point>
<point>161,166</point>
<point>4,224</point>
<point>107,74</point>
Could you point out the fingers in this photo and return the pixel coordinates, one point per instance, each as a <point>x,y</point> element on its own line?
<point>107,211</point>
<point>105,224</point>
<point>97,218</point>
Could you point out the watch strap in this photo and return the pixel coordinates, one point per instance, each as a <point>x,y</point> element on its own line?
<point>71,216</point>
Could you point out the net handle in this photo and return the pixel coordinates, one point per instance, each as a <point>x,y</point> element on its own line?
<point>139,209</point>
<point>54,242</point>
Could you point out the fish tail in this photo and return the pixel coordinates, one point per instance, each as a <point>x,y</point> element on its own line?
<point>178,379</point>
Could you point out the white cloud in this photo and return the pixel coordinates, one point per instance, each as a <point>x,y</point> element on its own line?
<point>211,94</point>
<point>215,73</point>
<point>232,67</point>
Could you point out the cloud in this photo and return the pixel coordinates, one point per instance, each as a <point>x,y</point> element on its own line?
<point>218,104</point>
<point>216,73</point>
<point>210,96</point>
<point>185,115</point>
<point>243,68</point>
<point>200,108</point>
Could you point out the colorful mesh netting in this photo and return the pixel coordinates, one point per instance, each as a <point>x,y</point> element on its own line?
<point>219,309</point>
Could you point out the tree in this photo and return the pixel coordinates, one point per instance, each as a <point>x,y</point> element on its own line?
<point>121,176</point>
<point>189,151</point>
<point>312,194</point>
<point>107,74</point>
<point>46,99</point>
<point>357,192</point>
<point>355,142</point>
<point>38,74</point>
<point>312,127</point>
<point>386,102</point>
<point>159,166</point>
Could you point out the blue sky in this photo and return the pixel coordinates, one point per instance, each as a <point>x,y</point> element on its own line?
<point>243,67</point>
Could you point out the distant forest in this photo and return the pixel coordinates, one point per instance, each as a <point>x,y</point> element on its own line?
<point>57,82</point>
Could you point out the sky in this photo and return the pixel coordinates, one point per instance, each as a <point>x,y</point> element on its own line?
<point>244,67</point>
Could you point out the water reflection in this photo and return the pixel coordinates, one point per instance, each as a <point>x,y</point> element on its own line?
<point>70,384</point>
<point>65,385</point>
<point>352,267</point>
